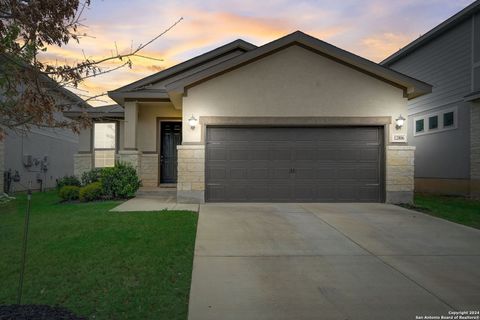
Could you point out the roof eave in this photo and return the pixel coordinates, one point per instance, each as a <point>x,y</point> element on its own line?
<point>238,44</point>
<point>121,97</point>
<point>412,87</point>
<point>94,115</point>
<point>433,33</point>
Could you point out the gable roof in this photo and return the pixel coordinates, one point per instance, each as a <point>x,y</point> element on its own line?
<point>238,45</point>
<point>434,33</point>
<point>175,81</point>
<point>412,87</point>
<point>113,111</point>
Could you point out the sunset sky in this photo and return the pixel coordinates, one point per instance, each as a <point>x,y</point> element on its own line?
<point>373,29</point>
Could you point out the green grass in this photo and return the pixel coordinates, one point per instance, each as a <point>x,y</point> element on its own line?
<point>456,209</point>
<point>99,264</point>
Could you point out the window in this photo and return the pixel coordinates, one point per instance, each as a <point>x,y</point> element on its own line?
<point>104,144</point>
<point>441,120</point>
<point>448,119</point>
<point>433,123</point>
<point>419,125</point>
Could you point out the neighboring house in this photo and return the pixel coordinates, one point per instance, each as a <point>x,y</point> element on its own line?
<point>40,157</point>
<point>295,120</point>
<point>445,125</point>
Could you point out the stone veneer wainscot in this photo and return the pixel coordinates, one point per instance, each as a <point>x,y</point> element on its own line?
<point>399,174</point>
<point>191,174</point>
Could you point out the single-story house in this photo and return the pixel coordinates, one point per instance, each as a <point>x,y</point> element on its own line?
<point>294,120</point>
<point>445,125</point>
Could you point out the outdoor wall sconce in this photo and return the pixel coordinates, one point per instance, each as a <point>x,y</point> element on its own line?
<point>399,122</point>
<point>192,122</point>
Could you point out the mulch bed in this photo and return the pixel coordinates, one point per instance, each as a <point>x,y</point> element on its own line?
<point>36,312</point>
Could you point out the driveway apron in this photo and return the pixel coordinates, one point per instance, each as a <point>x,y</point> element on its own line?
<point>330,261</point>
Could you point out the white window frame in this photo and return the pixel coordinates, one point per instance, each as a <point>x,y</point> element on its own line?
<point>441,127</point>
<point>104,149</point>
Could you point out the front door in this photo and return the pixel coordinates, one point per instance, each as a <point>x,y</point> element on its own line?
<point>170,137</point>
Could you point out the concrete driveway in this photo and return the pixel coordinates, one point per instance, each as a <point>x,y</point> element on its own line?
<point>331,261</point>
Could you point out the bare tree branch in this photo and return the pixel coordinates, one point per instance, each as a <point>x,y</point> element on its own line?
<point>33,91</point>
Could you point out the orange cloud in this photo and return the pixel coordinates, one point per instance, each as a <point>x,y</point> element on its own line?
<point>378,47</point>
<point>367,28</point>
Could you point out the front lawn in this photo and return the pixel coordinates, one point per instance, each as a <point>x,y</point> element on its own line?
<point>99,264</point>
<point>456,209</point>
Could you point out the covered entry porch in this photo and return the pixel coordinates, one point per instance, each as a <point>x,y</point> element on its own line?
<point>144,133</point>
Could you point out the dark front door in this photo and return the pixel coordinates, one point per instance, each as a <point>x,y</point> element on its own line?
<point>170,137</point>
<point>343,164</point>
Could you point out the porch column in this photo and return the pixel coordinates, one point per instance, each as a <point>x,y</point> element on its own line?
<point>130,153</point>
<point>131,120</point>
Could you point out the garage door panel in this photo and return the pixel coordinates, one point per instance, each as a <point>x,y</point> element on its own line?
<point>368,155</point>
<point>216,192</point>
<point>305,174</point>
<point>305,154</point>
<point>280,173</point>
<point>346,193</point>
<point>216,154</point>
<point>294,164</point>
<point>305,191</point>
<point>281,154</point>
<point>216,173</point>
<point>237,193</point>
<point>261,154</point>
<point>237,173</point>
<point>239,154</point>
<point>325,192</point>
<point>369,194</point>
<point>258,173</point>
<point>280,192</point>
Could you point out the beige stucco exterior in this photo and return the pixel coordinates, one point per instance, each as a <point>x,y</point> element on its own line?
<point>292,82</point>
<point>148,116</point>
<point>296,82</point>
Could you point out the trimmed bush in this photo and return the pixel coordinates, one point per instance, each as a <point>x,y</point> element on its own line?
<point>120,182</point>
<point>68,181</point>
<point>69,193</point>
<point>91,176</point>
<point>91,192</point>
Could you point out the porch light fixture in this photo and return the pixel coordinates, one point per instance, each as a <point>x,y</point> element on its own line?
<point>399,122</point>
<point>192,122</point>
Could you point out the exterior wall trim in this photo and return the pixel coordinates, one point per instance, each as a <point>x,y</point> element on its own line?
<point>205,121</point>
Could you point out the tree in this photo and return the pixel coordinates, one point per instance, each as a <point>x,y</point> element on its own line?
<point>27,85</point>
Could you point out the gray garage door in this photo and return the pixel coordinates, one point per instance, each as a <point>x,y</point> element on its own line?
<point>329,164</point>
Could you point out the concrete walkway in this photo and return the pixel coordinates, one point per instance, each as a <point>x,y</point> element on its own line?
<point>144,203</point>
<point>331,261</point>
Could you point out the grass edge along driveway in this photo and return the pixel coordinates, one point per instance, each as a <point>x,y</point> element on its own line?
<point>99,264</point>
<point>456,209</point>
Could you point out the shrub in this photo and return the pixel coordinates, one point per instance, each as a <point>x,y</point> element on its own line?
<point>91,192</point>
<point>69,193</point>
<point>68,181</point>
<point>91,176</point>
<point>120,182</point>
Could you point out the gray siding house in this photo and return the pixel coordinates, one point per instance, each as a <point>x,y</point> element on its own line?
<point>445,124</point>
<point>39,157</point>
